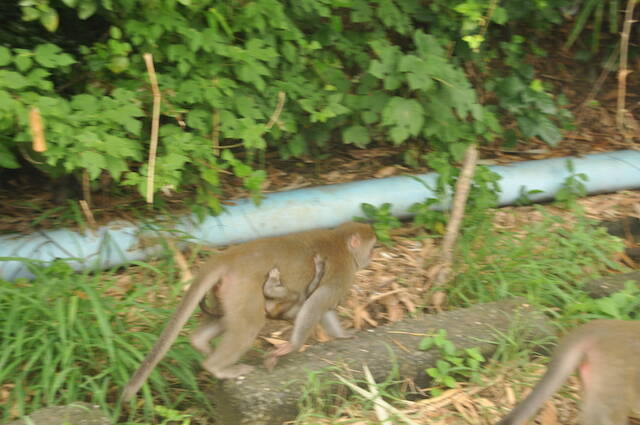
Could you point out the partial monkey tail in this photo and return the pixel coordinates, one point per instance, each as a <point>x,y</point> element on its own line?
<point>190,301</point>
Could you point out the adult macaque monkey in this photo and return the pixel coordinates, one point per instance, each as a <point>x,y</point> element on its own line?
<point>607,355</point>
<point>238,275</point>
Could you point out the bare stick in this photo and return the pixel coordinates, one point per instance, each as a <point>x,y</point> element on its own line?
<point>457,212</point>
<point>378,401</point>
<point>215,132</point>
<point>384,417</point>
<point>276,113</point>
<point>88,214</point>
<point>86,189</point>
<point>37,130</point>
<point>623,71</point>
<point>181,262</point>
<point>606,70</point>
<point>155,125</point>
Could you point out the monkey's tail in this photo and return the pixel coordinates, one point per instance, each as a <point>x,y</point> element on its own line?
<point>562,365</point>
<point>196,292</point>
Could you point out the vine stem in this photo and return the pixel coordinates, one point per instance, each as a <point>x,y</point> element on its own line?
<point>155,125</point>
<point>623,71</point>
<point>463,186</point>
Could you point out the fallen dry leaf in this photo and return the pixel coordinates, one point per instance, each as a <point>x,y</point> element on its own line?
<point>549,414</point>
<point>385,172</point>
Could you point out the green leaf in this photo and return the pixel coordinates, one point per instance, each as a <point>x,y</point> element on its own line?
<point>30,13</point>
<point>357,135</point>
<point>199,119</point>
<point>118,64</point>
<point>450,382</point>
<point>388,55</point>
<point>425,343</point>
<point>500,15</point>
<point>540,126</point>
<point>251,73</point>
<point>549,132</point>
<point>457,150</point>
<point>406,116</point>
<point>7,158</point>
<point>87,8</point>
<point>443,365</point>
<point>49,19</point>
<point>132,125</point>
<point>115,32</point>
<point>5,56</point>
<point>298,145</point>
<point>417,73</point>
<point>246,107</point>
<point>252,136</point>
<point>7,102</point>
<point>608,306</point>
<point>475,354</point>
<point>85,103</point>
<point>433,372</point>
<point>121,147</point>
<point>409,63</point>
<point>23,62</point>
<point>45,55</point>
<point>361,11</point>
<point>377,69</point>
<point>392,82</point>
<point>392,17</point>
<point>221,20</point>
<point>449,348</point>
<point>94,163</point>
<point>474,41</point>
<point>427,45</point>
<point>116,166</point>
<point>13,80</point>
<point>369,117</point>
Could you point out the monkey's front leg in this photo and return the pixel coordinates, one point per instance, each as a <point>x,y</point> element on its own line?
<point>331,324</point>
<point>329,321</point>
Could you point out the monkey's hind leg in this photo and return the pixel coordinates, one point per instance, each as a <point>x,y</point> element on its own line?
<point>235,341</point>
<point>607,397</point>
<point>201,337</point>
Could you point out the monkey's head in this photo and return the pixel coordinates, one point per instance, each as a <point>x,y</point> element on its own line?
<point>360,241</point>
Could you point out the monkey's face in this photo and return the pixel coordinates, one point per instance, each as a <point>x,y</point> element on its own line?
<point>364,250</point>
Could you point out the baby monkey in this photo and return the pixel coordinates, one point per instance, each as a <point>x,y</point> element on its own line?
<point>284,303</point>
<point>607,356</point>
<point>280,302</point>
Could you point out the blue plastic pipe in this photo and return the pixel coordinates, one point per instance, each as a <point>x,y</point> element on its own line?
<point>285,212</point>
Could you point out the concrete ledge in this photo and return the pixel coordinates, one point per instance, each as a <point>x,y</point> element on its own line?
<point>264,398</point>
<point>607,285</point>
<point>73,414</point>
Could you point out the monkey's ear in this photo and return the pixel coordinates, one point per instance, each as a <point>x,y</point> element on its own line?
<point>355,241</point>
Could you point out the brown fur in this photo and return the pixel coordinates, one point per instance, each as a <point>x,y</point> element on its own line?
<point>607,353</point>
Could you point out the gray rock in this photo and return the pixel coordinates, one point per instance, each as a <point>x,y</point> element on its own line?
<point>605,286</point>
<point>269,398</point>
<point>72,414</point>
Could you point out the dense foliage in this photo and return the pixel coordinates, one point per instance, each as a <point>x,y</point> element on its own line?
<point>238,78</point>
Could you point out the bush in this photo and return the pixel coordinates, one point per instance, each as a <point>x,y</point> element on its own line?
<point>295,77</point>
